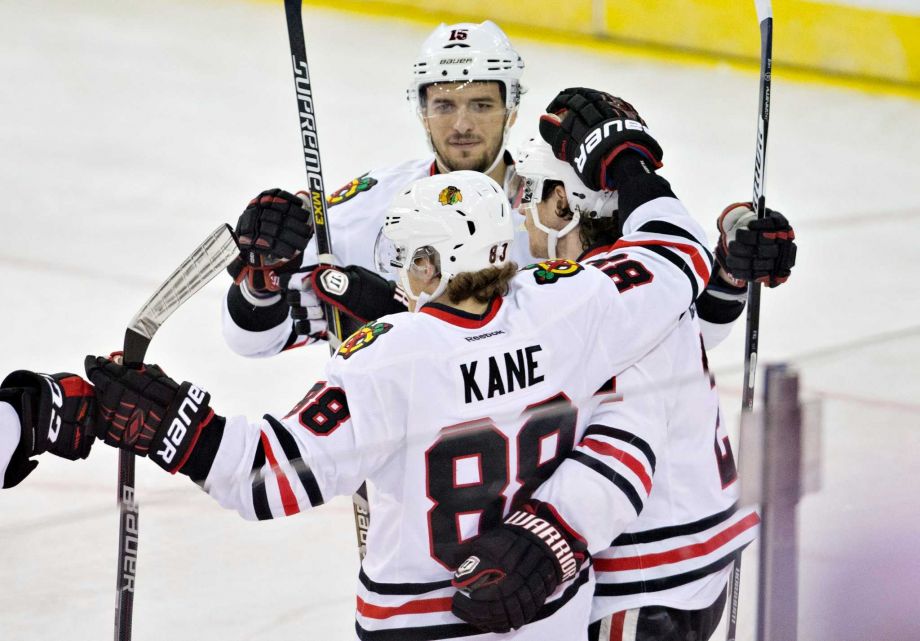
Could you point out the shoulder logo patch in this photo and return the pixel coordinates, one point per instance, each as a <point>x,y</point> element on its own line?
<point>450,196</point>
<point>362,338</point>
<point>352,189</point>
<point>550,271</point>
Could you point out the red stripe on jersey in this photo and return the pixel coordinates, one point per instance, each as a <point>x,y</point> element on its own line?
<point>699,263</point>
<point>421,606</point>
<point>678,554</point>
<point>617,620</point>
<point>625,458</point>
<point>288,500</point>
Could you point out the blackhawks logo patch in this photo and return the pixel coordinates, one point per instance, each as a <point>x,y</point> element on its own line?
<point>352,189</point>
<point>450,196</point>
<point>550,271</point>
<point>362,338</point>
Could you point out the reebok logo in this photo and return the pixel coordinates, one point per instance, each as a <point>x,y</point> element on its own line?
<point>602,132</point>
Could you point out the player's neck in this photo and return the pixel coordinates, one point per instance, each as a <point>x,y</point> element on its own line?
<point>570,246</point>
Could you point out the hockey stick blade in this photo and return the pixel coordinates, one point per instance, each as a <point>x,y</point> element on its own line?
<point>203,264</point>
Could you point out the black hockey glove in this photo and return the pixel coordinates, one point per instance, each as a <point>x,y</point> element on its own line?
<point>359,294</point>
<point>589,129</point>
<point>272,233</point>
<point>755,249</point>
<point>147,412</point>
<point>513,569</point>
<point>56,414</point>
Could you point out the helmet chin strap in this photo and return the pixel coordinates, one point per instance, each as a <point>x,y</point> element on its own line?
<point>424,297</point>
<point>552,235</point>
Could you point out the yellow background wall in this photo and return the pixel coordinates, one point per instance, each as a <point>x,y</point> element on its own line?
<point>831,39</point>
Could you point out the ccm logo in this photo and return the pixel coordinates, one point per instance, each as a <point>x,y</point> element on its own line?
<point>180,425</point>
<point>594,138</point>
<point>57,402</point>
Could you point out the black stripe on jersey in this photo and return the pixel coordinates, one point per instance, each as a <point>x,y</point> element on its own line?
<point>671,531</point>
<point>670,229</point>
<point>401,588</point>
<point>259,494</point>
<point>608,473</point>
<point>292,452</point>
<point>626,437</point>
<point>453,630</point>
<point>675,258</point>
<point>656,585</point>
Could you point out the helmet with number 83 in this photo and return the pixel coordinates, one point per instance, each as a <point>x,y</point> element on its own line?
<point>459,221</point>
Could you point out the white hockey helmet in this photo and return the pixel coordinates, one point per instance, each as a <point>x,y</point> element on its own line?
<point>461,221</point>
<point>535,164</point>
<point>469,52</point>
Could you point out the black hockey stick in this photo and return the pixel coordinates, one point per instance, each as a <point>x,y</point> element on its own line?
<point>752,336</point>
<point>310,142</point>
<point>210,258</point>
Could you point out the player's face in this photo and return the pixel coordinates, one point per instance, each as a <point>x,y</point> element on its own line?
<point>466,121</point>
<point>548,211</point>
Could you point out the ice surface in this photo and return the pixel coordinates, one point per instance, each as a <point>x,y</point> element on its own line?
<point>129,129</point>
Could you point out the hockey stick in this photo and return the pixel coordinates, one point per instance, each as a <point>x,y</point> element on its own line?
<point>310,143</point>
<point>211,257</point>
<point>752,337</point>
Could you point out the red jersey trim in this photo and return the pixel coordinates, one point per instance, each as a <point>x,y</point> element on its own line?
<point>699,263</point>
<point>645,561</point>
<point>288,500</point>
<point>625,458</point>
<point>463,319</point>
<point>420,606</point>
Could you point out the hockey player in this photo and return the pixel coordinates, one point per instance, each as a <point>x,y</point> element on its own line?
<point>42,413</point>
<point>465,89</point>
<point>674,522</point>
<point>455,413</point>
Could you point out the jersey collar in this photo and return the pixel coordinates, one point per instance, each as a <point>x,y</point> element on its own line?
<point>461,318</point>
<point>594,251</point>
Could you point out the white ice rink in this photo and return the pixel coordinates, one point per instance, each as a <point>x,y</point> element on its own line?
<point>129,130</point>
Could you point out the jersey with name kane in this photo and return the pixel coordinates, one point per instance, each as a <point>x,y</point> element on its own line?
<point>455,419</point>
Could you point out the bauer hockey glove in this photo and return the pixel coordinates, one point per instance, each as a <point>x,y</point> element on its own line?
<point>589,129</point>
<point>272,233</point>
<point>147,412</point>
<point>514,568</point>
<point>755,249</point>
<point>56,414</point>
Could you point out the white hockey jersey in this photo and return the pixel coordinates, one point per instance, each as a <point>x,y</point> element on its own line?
<point>356,215</point>
<point>455,418</point>
<point>657,478</point>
